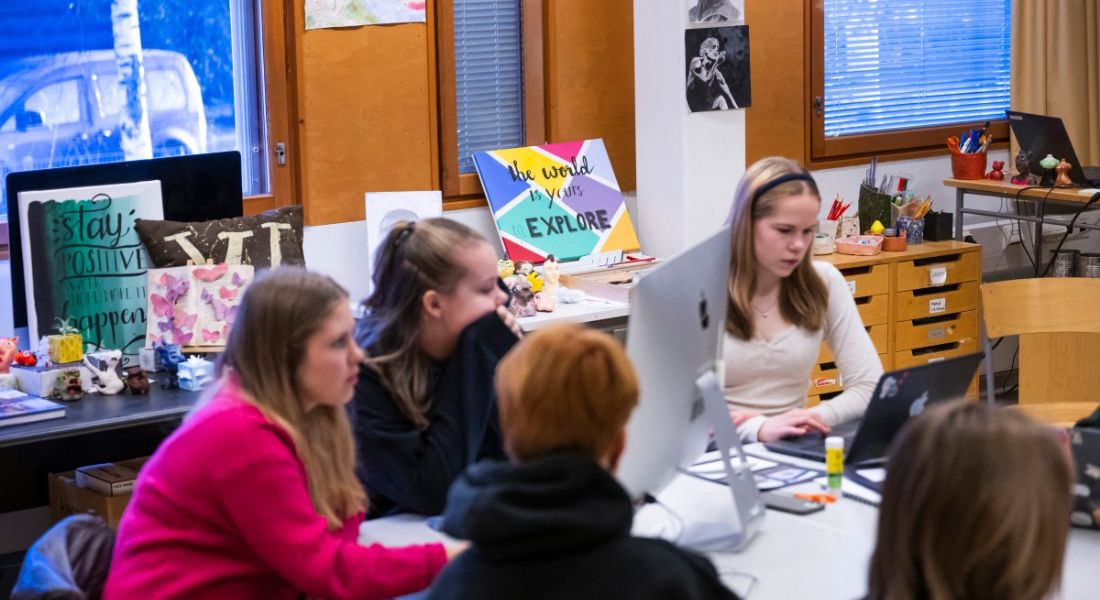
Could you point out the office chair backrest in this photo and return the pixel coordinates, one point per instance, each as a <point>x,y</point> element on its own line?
<point>69,561</point>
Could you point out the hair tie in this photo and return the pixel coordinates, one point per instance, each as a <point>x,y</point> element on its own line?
<point>406,232</point>
<point>778,181</point>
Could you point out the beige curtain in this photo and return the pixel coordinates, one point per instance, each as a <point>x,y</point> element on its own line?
<point>1056,67</point>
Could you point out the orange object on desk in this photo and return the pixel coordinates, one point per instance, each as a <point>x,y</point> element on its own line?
<point>968,165</point>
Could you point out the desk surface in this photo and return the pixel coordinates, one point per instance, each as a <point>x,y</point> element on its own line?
<point>96,412</point>
<point>823,555</point>
<point>589,310</point>
<point>1004,188</point>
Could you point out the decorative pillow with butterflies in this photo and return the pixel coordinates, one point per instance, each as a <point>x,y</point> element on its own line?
<point>194,306</point>
<point>269,239</point>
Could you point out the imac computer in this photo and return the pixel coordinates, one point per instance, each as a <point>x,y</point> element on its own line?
<point>674,339</point>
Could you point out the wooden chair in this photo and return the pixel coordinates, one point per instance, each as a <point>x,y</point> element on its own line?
<point>1058,321</point>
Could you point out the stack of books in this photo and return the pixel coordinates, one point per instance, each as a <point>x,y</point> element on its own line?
<point>17,407</point>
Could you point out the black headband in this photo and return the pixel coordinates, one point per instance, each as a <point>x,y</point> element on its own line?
<point>778,181</point>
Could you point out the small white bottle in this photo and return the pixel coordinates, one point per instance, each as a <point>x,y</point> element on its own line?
<point>834,463</point>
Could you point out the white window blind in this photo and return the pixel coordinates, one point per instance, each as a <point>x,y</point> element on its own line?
<point>898,64</point>
<point>488,77</point>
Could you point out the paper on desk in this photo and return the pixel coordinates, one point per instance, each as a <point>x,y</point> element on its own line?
<point>876,474</point>
<point>769,475</point>
<point>712,462</point>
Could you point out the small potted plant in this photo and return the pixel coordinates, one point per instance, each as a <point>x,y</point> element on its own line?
<point>67,345</point>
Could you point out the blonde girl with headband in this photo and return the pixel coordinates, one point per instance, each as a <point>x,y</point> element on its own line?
<point>433,330</point>
<point>782,304</point>
<point>255,495</point>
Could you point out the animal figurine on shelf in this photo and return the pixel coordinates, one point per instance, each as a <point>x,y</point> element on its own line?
<point>997,174</point>
<point>137,381</point>
<point>170,359</point>
<point>551,275</point>
<point>1023,168</point>
<point>67,387</point>
<point>42,352</point>
<point>1062,169</point>
<point>106,380</point>
<point>26,359</point>
<point>523,299</point>
<point>524,267</point>
<point>505,268</point>
<point>9,348</point>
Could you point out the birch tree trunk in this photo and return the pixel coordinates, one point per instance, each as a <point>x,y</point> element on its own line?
<point>134,125</point>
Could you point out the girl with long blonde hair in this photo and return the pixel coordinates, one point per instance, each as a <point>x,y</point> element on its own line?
<point>782,304</point>
<point>433,330</point>
<point>255,495</point>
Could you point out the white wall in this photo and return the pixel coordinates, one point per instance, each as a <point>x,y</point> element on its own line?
<point>688,164</point>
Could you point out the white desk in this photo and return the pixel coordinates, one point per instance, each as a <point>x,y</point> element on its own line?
<point>595,311</point>
<point>823,555</point>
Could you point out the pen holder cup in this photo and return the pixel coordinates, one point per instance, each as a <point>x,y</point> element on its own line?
<point>873,206</point>
<point>939,226</point>
<point>914,231</point>
<point>968,166</point>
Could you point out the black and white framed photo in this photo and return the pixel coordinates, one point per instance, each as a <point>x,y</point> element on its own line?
<point>716,11</point>
<point>717,60</point>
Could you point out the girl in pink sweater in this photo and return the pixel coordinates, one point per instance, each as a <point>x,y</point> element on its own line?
<point>255,495</point>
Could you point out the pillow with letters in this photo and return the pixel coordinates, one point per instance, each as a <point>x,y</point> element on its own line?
<point>269,239</point>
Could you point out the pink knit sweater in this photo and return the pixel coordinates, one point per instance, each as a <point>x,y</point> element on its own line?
<point>222,510</point>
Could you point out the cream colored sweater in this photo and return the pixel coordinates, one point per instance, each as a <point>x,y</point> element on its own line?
<point>773,377</point>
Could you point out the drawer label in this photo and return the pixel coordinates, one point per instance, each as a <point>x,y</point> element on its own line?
<point>852,287</point>
<point>821,382</point>
<point>937,333</point>
<point>937,275</point>
<point>937,305</point>
<point>937,359</point>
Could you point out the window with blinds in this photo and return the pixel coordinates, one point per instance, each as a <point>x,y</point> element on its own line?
<point>902,64</point>
<point>488,77</point>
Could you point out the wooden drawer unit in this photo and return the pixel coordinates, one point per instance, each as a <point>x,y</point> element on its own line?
<point>930,302</point>
<point>927,354</point>
<point>938,271</point>
<point>936,330</point>
<point>880,337</point>
<point>867,280</point>
<point>874,310</point>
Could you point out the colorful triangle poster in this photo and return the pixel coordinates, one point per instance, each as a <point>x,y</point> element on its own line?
<point>561,199</point>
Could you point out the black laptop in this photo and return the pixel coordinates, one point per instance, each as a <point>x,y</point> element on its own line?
<point>1086,492</point>
<point>899,395</point>
<point>1042,135</point>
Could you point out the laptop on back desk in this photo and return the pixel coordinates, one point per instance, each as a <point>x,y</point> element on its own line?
<point>1041,135</point>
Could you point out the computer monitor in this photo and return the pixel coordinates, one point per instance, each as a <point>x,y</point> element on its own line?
<point>198,187</point>
<point>674,339</point>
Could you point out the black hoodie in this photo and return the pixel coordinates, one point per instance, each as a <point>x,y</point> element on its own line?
<point>559,527</point>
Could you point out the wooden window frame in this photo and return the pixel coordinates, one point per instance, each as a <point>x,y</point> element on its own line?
<point>823,151</point>
<point>276,92</point>
<point>463,190</point>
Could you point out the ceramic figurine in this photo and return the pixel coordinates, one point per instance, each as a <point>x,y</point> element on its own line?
<point>67,386</point>
<point>137,381</point>
<point>170,358</point>
<point>1048,163</point>
<point>997,174</point>
<point>1063,173</point>
<point>505,268</point>
<point>107,379</point>
<point>26,359</point>
<point>9,348</point>
<point>1023,168</point>
<point>42,352</point>
<point>551,275</point>
<point>524,267</point>
<point>523,299</point>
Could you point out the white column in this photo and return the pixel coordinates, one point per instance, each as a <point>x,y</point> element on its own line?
<point>688,163</point>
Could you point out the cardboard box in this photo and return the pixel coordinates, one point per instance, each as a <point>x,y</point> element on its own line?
<point>108,479</point>
<point>610,283</point>
<point>68,498</point>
